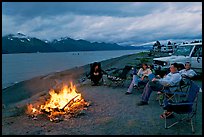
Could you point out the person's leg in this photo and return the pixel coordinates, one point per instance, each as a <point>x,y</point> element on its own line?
<point>98,78</point>
<point>167,114</point>
<point>146,93</point>
<point>142,82</point>
<point>95,79</point>
<point>134,80</point>
<point>92,78</point>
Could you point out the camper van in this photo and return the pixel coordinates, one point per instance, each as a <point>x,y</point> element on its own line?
<point>169,48</point>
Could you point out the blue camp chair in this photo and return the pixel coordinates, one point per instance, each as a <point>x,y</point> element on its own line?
<point>142,84</point>
<point>181,91</point>
<point>169,95</point>
<point>186,107</point>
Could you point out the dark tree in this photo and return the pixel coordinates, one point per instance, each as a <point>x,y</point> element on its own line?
<point>157,44</point>
<point>169,43</point>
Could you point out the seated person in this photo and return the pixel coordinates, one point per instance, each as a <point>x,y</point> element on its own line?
<point>96,73</point>
<point>187,73</point>
<point>139,78</point>
<point>172,79</point>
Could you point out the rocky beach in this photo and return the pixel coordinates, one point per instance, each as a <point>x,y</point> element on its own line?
<point>111,112</point>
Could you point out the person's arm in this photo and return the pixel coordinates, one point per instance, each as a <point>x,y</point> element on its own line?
<point>180,72</point>
<point>188,74</point>
<point>170,80</point>
<point>192,73</point>
<point>149,72</point>
<point>146,74</point>
<point>139,72</point>
<point>183,73</point>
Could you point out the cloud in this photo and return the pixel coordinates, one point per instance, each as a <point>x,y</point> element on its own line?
<point>120,9</point>
<point>105,22</point>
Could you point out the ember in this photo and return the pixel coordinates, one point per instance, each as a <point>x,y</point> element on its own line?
<point>63,104</point>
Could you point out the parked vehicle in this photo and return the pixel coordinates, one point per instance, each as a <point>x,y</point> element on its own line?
<point>183,53</point>
<point>168,48</point>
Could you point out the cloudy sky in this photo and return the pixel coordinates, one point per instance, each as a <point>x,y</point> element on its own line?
<point>118,22</point>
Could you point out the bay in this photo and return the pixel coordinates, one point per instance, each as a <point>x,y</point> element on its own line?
<point>20,67</point>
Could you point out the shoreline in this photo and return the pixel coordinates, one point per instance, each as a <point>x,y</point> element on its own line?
<point>71,75</point>
<point>45,75</point>
<point>51,73</point>
<point>111,112</point>
<point>47,81</point>
<point>10,77</point>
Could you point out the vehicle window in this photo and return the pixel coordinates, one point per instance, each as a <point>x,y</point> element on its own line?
<point>183,50</point>
<point>197,52</point>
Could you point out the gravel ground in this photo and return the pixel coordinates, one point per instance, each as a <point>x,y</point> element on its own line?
<point>111,111</point>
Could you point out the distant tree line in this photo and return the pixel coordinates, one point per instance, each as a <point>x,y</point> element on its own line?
<point>158,44</point>
<point>196,41</point>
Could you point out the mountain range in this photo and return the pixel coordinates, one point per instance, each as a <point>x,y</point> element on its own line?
<point>20,43</point>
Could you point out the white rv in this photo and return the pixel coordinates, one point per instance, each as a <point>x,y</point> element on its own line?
<point>169,48</point>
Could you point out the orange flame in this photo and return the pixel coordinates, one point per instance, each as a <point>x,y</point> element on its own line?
<point>59,100</point>
<point>33,111</point>
<point>66,100</point>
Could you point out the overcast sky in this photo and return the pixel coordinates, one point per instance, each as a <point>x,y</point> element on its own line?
<point>118,22</point>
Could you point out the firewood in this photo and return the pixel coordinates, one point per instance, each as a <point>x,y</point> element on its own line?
<point>62,109</point>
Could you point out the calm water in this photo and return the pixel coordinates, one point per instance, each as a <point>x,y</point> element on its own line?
<point>19,67</point>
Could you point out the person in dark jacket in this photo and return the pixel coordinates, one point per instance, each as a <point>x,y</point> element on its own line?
<point>96,73</point>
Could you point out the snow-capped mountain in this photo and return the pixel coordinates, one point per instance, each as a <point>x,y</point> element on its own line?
<point>20,43</point>
<point>19,36</point>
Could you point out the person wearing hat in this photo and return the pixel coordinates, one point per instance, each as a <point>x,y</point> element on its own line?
<point>173,78</point>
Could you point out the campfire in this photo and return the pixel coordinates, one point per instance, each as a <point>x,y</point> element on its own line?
<point>62,104</point>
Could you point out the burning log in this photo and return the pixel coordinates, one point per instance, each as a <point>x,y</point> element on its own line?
<point>69,102</point>
<point>62,109</point>
<point>65,102</point>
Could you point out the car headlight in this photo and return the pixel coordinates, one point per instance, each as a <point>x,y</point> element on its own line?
<point>165,63</point>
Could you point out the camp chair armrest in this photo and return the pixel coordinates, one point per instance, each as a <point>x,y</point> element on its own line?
<point>179,93</point>
<point>181,103</point>
<point>171,86</point>
<point>185,76</point>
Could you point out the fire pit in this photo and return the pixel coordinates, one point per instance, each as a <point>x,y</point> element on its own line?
<point>62,104</point>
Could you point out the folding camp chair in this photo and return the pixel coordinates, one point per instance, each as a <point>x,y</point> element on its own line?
<point>181,91</point>
<point>185,83</point>
<point>186,107</point>
<point>118,76</point>
<point>165,92</point>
